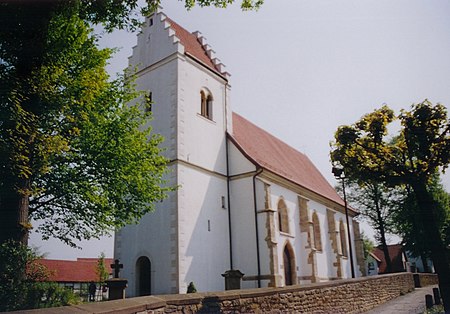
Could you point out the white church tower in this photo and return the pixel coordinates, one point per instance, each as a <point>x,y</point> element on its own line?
<point>186,239</point>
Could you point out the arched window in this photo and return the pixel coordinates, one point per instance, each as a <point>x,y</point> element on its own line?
<point>283,218</point>
<point>343,238</point>
<point>316,230</point>
<point>206,104</point>
<point>143,276</point>
<point>290,276</point>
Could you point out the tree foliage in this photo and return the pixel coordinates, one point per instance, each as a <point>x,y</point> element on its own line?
<point>375,201</point>
<point>368,244</point>
<point>81,160</point>
<point>408,222</point>
<point>101,269</point>
<point>23,281</point>
<point>411,158</point>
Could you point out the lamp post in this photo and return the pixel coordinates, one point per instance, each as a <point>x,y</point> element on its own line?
<point>339,174</point>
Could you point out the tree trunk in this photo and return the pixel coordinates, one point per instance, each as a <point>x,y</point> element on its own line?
<point>23,30</point>
<point>14,224</point>
<point>386,253</point>
<point>425,265</point>
<point>382,229</point>
<point>427,211</point>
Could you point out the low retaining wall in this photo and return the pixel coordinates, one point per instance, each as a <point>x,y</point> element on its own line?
<point>340,296</point>
<point>425,279</point>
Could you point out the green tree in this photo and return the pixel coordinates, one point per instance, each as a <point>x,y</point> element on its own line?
<point>54,99</point>
<point>410,226</point>
<point>101,271</point>
<point>76,156</point>
<point>368,244</point>
<point>375,201</point>
<point>420,151</point>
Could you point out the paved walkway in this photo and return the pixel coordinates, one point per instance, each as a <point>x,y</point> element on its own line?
<point>411,303</point>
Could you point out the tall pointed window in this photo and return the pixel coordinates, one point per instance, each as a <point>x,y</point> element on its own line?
<point>283,218</point>
<point>316,228</point>
<point>343,239</point>
<point>206,104</point>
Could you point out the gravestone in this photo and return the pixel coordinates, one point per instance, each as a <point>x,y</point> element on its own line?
<point>232,279</point>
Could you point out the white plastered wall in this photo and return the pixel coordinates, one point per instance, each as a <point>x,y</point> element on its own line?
<point>149,238</point>
<point>242,214</point>
<point>203,230</point>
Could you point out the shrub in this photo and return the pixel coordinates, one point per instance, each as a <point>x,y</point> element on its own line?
<point>23,281</point>
<point>191,288</point>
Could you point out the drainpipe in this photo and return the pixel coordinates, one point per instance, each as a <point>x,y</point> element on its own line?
<point>228,179</point>
<point>229,205</point>
<point>256,226</point>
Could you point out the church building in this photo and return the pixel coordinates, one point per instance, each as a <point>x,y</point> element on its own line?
<point>245,200</point>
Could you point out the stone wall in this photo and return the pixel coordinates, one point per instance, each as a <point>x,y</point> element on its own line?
<point>425,279</point>
<point>340,296</point>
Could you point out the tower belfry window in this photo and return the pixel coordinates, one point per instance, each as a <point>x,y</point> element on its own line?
<point>206,104</point>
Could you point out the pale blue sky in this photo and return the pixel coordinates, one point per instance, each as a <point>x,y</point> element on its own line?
<point>301,68</point>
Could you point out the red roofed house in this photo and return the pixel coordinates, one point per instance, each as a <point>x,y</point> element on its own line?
<point>246,201</point>
<point>75,275</point>
<point>397,256</point>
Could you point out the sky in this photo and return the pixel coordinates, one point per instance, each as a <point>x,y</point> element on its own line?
<point>301,68</point>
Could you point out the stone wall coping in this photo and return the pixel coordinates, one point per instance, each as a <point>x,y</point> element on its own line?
<point>131,305</point>
<point>182,299</point>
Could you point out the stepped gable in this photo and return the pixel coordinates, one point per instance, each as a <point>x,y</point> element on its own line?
<point>196,47</point>
<point>268,152</point>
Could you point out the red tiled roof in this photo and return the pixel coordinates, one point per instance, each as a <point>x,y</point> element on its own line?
<point>192,46</point>
<point>273,154</point>
<point>81,270</point>
<point>375,257</point>
<point>395,255</point>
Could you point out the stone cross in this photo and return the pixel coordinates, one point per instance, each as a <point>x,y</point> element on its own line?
<point>116,266</point>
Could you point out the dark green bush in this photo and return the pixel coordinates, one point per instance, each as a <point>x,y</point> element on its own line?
<point>23,281</point>
<point>191,288</point>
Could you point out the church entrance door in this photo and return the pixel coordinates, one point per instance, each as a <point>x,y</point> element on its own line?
<point>289,264</point>
<point>143,276</point>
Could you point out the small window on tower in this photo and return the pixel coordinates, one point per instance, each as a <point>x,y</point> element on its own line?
<point>206,104</point>
<point>150,22</point>
<point>148,102</point>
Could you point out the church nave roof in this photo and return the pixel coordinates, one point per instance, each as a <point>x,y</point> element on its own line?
<point>272,154</point>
